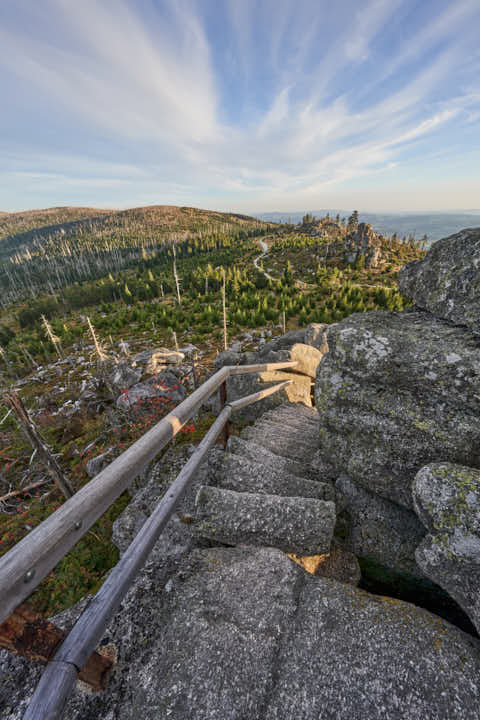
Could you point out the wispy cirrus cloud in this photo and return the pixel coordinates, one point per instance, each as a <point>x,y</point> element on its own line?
<point>261,103</point>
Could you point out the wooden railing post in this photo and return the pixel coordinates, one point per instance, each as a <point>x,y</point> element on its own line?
<point>223,402</point>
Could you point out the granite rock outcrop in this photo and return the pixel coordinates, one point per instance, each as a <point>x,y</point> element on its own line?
<point>447,281</point>
<point>363,242</point>
<point>246,633</point>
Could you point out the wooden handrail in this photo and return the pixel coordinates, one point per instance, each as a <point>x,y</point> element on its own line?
<point>59,677</point>
<point>31,559</point>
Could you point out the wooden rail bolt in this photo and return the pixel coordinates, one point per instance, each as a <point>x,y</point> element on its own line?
<point>29,634</point>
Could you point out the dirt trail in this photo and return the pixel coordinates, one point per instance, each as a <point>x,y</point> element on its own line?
<point>264,248</point>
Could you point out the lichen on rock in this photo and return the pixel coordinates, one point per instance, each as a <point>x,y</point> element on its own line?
<point>447,500</point>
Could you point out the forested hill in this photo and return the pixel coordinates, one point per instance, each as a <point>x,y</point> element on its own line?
<point>59,246</point>
<point>19,230</point>
<point>17,223</point>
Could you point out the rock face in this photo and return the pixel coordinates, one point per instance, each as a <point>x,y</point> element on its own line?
<point>377,529</point>
<point>245,633</point>
<point>363,242</point>
<point>395,392</point>
<point>447,500</point>
<point>447,281</point>
<point>294,524</point>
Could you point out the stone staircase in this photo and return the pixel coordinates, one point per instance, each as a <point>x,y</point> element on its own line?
<point>265,489</point>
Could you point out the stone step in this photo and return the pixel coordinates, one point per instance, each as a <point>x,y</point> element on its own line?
<point>296,426</point>
<point>293,411</point>
<point>244,475</point>
<point>300,431</point>
<point>262,456</point>
<point>303,526</point>
<point>294,419</point>
<point>281,444</point>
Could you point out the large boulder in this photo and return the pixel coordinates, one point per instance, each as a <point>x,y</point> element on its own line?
<point>307,359</point>
<point>123,376</point>
<point>447,281</point>
<point>315,335</point>
<point>395,392</point>
<point>245,633</point>
<point>165,386</point>
<point>147,491</point>
<point>447,500</point>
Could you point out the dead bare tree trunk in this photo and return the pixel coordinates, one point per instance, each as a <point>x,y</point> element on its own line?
<point>175,339</point>
<point>5,359</point>
<point>27,356</point>
<point>176,276</point>
<point>224,314</point>
<point>194,370</point>
<point>14,401</point>
<point>52,337</point>
<point>98,348</point>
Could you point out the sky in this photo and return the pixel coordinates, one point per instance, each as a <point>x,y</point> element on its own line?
<point>243,105</point>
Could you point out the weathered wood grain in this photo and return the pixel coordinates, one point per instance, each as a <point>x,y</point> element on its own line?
<point>52,692</point>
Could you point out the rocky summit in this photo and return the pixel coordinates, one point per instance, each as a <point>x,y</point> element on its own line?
<point>363,242</point>
<point>253,604</point>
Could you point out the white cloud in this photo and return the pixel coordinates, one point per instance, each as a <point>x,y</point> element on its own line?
<point>155,91</point>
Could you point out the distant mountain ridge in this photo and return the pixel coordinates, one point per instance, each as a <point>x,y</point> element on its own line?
<point>24,226</point>
<point>434,225</point>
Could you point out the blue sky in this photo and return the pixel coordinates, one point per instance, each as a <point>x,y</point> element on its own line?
<point>248,105</point>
